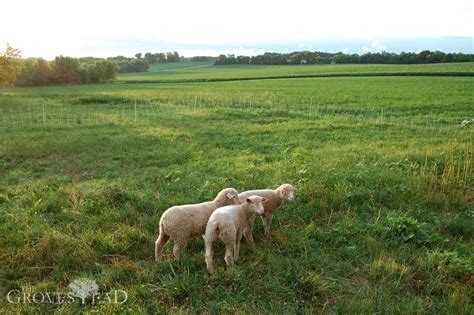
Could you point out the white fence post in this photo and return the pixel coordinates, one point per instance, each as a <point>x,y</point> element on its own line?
<point>381,118</point>
<point>44,116</point>
<point>135,110</point>
<point>4,121</point>
<point>12,117</point>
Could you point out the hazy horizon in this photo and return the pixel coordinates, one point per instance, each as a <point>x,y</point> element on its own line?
<point>109,28</point>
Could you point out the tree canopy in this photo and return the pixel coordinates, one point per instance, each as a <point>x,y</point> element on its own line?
<point>317,57</point>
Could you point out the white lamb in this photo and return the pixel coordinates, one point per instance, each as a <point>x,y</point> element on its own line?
<point>227,224</point>
<point>183,222</point>
<point>275,199</point>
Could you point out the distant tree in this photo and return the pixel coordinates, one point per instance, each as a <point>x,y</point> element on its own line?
<point>34,72</point>
<point>161,57</point>
<point>220,60</point>
<point>172,56</point>
<point>151,58</point>
<point>9,65</point>
<point>176,56</point>
<point>295,58</point>
<point>242,60</point>
<point>119,58</point>
<point>134,65</point>
<point>138,55</point>
<point>66,70</point>
<point>423,56</point>
<point>201,58</point>
<point>99,71</point>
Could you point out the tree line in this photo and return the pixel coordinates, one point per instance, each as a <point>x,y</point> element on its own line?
<point>153,58</point>
<point>309,57</point>
<point>127,65</point>
<point>15,71</point>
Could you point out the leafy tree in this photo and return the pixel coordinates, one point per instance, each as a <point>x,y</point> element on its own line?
<point>66,70</point>
<point>9,65</point>
<point>295,58</point>
<point>34,72</point>
<point>138,55</point>
<point>133,65</point>
<point>151,58</point>
<point>176,56</point>
<point>243,60</point>
<point>172,56</point>
<point>161,57</point>
<point>201,58</point>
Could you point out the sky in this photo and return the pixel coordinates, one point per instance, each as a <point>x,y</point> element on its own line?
<point>104,28</point>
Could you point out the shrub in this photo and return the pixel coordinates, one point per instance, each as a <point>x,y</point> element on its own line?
<point>405,229</point>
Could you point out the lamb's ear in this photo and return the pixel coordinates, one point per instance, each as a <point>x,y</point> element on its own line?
<point>230,196</point>
<point>264,200</point>
<point>248,200</point>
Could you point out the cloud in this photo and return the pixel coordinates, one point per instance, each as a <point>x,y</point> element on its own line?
<point>375,47</point>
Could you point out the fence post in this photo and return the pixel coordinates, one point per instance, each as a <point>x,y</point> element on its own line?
<point>29,115</point>
<point>381,118</point>
<point>135,110</point>
<point>4,121</point>
<point>44,116</point>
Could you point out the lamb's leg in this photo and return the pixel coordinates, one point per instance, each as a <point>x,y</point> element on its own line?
<point>209,253</point>
<point>248,233</point>
<point>159,244</point>
<point>229,239</point>
<point>179,246</point>
<point>229,249</point>
<point>237,246</point>
<point>209,237</point>
<point>267,220</point>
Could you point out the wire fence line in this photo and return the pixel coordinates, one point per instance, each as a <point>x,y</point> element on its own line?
<point>149,111</point>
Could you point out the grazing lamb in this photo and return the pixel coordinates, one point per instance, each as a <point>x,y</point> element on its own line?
<point>182,222</point>
<point>275,199</point>
<point>227,224</point>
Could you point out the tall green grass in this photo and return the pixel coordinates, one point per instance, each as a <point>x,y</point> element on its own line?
<point>381,222</point>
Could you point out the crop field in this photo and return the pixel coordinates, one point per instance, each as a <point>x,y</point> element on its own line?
<point>243,72</point>
<point>382,166</point>
<point>175,65</point>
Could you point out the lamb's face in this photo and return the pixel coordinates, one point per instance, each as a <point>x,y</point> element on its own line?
<point>255,204</point>
<point>287,192</point>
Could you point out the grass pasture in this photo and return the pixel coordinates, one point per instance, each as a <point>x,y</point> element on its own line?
<point>383,216</point>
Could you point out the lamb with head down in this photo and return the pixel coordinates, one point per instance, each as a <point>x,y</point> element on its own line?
<point>180,223</point>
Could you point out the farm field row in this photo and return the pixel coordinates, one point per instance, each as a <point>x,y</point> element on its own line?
<point>239,72</point>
